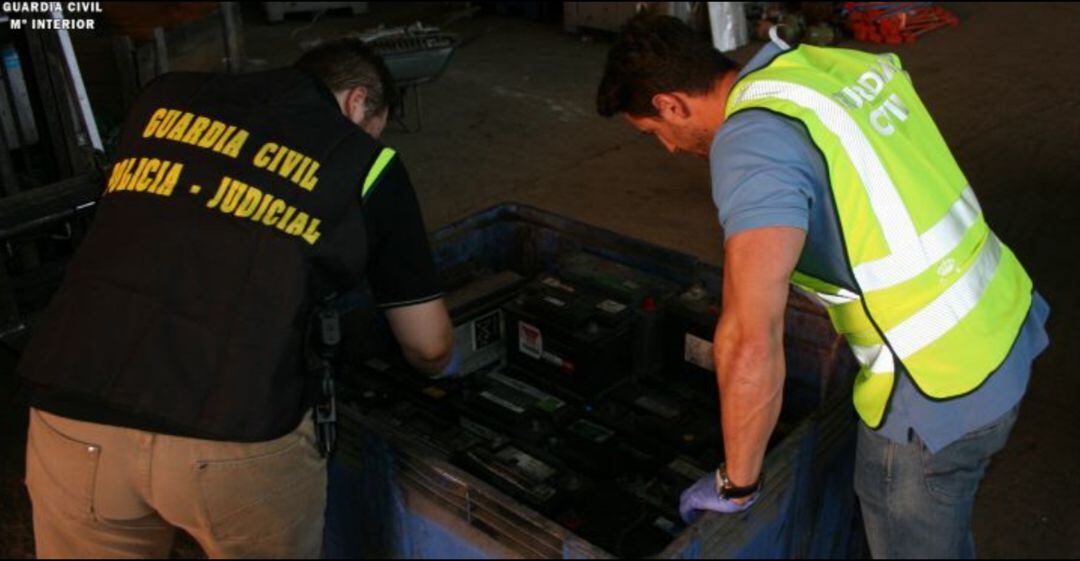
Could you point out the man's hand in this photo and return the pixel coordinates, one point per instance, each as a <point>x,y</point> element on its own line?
<point>425,334</point>
<point>703,495</point>
<point>749,343</point>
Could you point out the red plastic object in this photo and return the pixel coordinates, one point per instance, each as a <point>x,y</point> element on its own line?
<point>895,22</point>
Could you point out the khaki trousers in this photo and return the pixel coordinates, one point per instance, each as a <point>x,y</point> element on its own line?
<point>101,491</point>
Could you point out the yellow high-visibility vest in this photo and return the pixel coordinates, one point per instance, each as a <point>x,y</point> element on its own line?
<point>936,290</point>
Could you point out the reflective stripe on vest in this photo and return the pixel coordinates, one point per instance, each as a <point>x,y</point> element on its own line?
<point>381,161</point>
<point>936,289</point>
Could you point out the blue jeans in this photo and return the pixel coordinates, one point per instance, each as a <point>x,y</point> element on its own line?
<point>916,504</point>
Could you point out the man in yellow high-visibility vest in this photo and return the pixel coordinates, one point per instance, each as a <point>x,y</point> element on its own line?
<point>829,173</point>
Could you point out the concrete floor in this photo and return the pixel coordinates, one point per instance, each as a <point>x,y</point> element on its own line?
<point>513,119</point>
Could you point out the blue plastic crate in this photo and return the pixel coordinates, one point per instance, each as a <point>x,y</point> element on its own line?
<point>405,502</point>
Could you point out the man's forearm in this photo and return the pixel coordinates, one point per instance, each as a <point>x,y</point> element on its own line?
<point>751,382</point>
<point>425,334</point>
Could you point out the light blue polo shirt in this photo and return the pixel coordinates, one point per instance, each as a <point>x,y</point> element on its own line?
<point>767,172</point>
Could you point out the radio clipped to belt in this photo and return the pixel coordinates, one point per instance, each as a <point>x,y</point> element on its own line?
<point>325,340</point>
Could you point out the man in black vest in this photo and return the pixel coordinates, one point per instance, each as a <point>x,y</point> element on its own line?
<point>170,383</point>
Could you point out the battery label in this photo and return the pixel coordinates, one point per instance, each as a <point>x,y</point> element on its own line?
<point>611,306</point>
<point>553,359</point>
<point>487,330</point>
<point>555,302</point>
<point>535,469</point>
<point>530,340</point>
<point>555,283</point>
<point>544,401</point>
<point>500,401</point>
<point>699,352</point>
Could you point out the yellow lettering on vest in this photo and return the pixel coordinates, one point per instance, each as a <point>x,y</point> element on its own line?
<point>117,173</point>
<point>222,187</point>
<point>112,177</point>
<point>251,200</point>
<point>274,214</point>
<point>232,149</point>
<point>144,180</point>
<point>129,172</point>
<point>212,134</point>
<point>296,227</point>
<point>224,138</point>
<point>125,176</point>
<point>277,159</point>
<point>162,172</point>
<point>180,127</point>
<point>299,173</point>
<point>262,157</point>
<point>196,130</point>
<point>310,179</point>
<point>154,122</point>
<point>140,182</point>
<point>167,123</point>
<point>312,234</point>
<point>171,180</point>
<point>132,179</point>
<point>232,198</point>
<point>284,222</point>
<point>291,159</point>
<point>262,208</point>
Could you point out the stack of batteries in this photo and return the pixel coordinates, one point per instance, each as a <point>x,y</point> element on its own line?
<point>586,393</point>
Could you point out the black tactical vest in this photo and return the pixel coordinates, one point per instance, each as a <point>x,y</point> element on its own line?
<point>232,209</point>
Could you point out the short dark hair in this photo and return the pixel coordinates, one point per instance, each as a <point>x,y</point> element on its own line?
<point>347,63</point>
<point>656,54</point>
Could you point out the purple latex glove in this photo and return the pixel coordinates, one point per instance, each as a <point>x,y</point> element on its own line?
<point>703,496</point>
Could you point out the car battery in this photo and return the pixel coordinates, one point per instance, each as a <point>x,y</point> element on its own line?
<point>690,324</point>
<point>502,398</point>
<point>646,294</point>
<point>653,414</point>
<point>620,282</point>
<point>541,481</point>
<point>476,311</point>
<point>687,347</point>
<point>601,452</point>
<point>662,489</point>
<point>569,338</point>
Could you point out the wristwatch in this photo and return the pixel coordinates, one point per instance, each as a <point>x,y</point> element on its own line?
<point>726,490</point>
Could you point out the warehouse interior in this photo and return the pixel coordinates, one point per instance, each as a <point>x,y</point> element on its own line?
<point>512,119</point>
